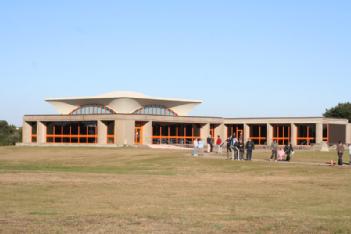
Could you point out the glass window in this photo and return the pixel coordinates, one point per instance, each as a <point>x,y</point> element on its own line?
<point>155,110</point>
<point>92,110</point>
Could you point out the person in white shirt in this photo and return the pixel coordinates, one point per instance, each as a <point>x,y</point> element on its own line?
<point>196,148</point>
<point>200,147</point>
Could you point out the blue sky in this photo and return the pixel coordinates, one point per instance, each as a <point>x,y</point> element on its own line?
<point>242,58</point>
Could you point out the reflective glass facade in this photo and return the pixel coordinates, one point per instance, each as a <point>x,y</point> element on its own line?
<point>92,110</point>
<point>155,110</point>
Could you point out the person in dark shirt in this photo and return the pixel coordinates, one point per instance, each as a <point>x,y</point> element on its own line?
<point>340,150</point>
<point>241,147</point>
<point>250,146</point>
<point>288,149</point>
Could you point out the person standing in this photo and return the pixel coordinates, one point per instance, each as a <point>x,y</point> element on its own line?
<point>196,148</point>
<point>209,142</point>
<point>219,145</point>
<point>233,146</point>
<point>228,141</point>
<point>241,147</point>
<point>288,149</point>
<point>200,147</point>
<point>340,150</point>
<point>250,146</point>
<point>274,147</point>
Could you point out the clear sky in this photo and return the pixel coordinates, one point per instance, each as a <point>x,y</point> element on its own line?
<point>242,58</point>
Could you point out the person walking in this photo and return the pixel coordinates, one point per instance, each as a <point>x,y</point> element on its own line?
<point>219,145</point>
<point>288,149</point>
<point>274,147</point>
<point>340,150</point>
<point>250,146</point>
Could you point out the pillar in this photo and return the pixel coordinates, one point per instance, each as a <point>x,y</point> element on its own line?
<point>102,132</point>
<point>269,134</point>
<point>246,132</point>
<point>220,130</point>
<point>205,132</point>
<point>124,132</point>
<point>348,133</point>
<point>26,133</point>
<point>293,133</point>
<point>147,133</point>
<point>41,132</point>
<point>319,133</point>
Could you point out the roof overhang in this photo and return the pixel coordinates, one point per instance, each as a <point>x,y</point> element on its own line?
<point>123,102</point>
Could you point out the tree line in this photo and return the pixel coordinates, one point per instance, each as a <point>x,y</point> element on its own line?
<point>9,134</point>
<point>342,110</point>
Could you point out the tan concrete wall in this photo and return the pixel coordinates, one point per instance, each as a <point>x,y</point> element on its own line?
<point>269,134</point>
<point>287,120</point>
<point>125,130</point>
<point>102,132</point>
<point>319,133</point>
<point>41,133</point>
<point>293,134</point>
<point>146,118</point>
<point>348,133</point>
<point>205,132</point>
<point>26,133</point>
<point>246,132</point>
<point>147,133</point>
<point>220,130</point>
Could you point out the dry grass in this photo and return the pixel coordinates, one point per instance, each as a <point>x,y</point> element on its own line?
<point>88,190</point>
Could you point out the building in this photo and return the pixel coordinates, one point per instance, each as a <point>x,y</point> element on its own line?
<point>126,118</point>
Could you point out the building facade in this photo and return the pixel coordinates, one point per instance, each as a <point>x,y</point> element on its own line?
<point>125,118</point>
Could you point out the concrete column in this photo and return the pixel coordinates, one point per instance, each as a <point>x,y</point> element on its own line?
<point>269,134</point>
<point>147,133</point>
<point>102,133</point>
<point>246,132</point>
<point>220,130</point>
<point>26,133</point>
<point>348,133</point>
<point>319,133</point>
<point>41,133</point>
<point>205,132</point>
<point>293,138</point>
<point>124,132</point>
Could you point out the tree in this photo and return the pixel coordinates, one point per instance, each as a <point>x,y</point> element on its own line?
<point>9,134</point>
<point>342,110</point>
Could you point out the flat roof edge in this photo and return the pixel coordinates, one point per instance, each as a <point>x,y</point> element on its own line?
<point>209,117</point>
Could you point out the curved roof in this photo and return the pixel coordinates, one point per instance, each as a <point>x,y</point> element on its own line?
<point>123,102</point>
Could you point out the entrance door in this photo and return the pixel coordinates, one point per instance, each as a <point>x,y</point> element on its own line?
<point>138,136</point>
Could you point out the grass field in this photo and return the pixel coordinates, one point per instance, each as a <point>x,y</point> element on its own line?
<point>90,190</point>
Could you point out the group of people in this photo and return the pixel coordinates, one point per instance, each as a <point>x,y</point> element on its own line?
<point>199,146</point>
<point>340,149</point>
<point>236,149</point>
<point>281,154</point>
